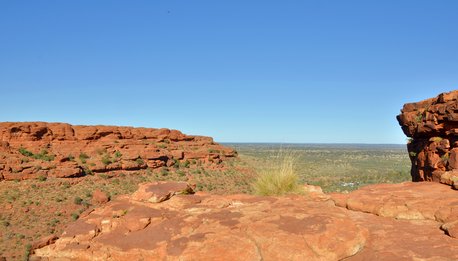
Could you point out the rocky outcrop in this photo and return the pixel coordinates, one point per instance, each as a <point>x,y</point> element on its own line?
<point>40,149</point>
<point>387,222</point>
<point>406,201</point>
<point>432,127</point>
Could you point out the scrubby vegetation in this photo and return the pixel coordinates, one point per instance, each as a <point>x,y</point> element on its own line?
<point>34,208</point>
<point>279,177</point>
<point>335,168</point>
<point>42,155</point>
<point>83,157</point>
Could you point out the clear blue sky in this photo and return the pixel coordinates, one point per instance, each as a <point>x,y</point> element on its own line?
<point>241,71</point>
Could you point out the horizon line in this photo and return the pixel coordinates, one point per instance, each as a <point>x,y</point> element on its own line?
<point>312,143</point>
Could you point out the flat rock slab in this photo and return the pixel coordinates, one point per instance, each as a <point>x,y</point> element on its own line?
<point>408,201</point>
<point>243,227</point>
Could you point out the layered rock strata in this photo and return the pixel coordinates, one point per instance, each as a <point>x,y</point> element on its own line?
<point>40,149</point>
<point>432,128</point>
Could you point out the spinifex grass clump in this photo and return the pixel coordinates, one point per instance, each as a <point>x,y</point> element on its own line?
<point>279,178</point>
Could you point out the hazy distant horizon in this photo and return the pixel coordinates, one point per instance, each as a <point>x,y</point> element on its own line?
<point>309,143</point>
<point>363,146</point>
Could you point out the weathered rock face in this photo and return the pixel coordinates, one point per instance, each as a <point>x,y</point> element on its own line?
<point>432,126</point>
<point>406,201</point>
<point>189,226</point>
<point>39,149</point>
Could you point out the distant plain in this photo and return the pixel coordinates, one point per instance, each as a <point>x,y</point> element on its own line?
<point>335,167</point>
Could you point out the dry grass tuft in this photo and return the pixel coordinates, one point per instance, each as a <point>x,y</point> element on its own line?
<point>279,177</point>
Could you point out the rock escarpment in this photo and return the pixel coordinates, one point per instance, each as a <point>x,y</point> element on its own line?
<point>39,149</point>
<point>432,126</point>
<point>166,221</point>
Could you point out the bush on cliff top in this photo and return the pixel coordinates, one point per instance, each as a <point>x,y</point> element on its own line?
<point>278,179</point>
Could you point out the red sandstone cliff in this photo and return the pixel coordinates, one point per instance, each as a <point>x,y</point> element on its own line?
<point>432,126</point>
<point>40,149</point>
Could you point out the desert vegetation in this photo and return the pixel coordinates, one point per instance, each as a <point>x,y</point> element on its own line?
<point>42,155</point>
<point>278,176</point>
<point>335,168</point>
<point>36,208</point>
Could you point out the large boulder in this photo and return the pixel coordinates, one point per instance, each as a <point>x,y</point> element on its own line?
<point>432,128</point>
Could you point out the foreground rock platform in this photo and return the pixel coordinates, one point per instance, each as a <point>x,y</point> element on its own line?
<point>406,201</point>
<point>370,224</point>
<point>432,126</point>
<point>41,149</point>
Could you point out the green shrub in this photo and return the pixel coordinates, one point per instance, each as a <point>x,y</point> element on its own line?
<point>25,152</point>
<point>176,163</point>
<point>118,154</point>
<point>75,216</point>
<point>186,164</point>
<point>53,222</point>
<point>83,157</point>
<point>27,251</point>
<point>196,171</point>
<point>164,172</point>
<point>77,200</point>
<point>278,179</point>
<point>41,178</point>
<point>106,160</point>
<point>43,155</point>
<point>87,171</point>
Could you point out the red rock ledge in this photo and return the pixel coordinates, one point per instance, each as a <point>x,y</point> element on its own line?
<point>432,126</point>
<point>40,149</point>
